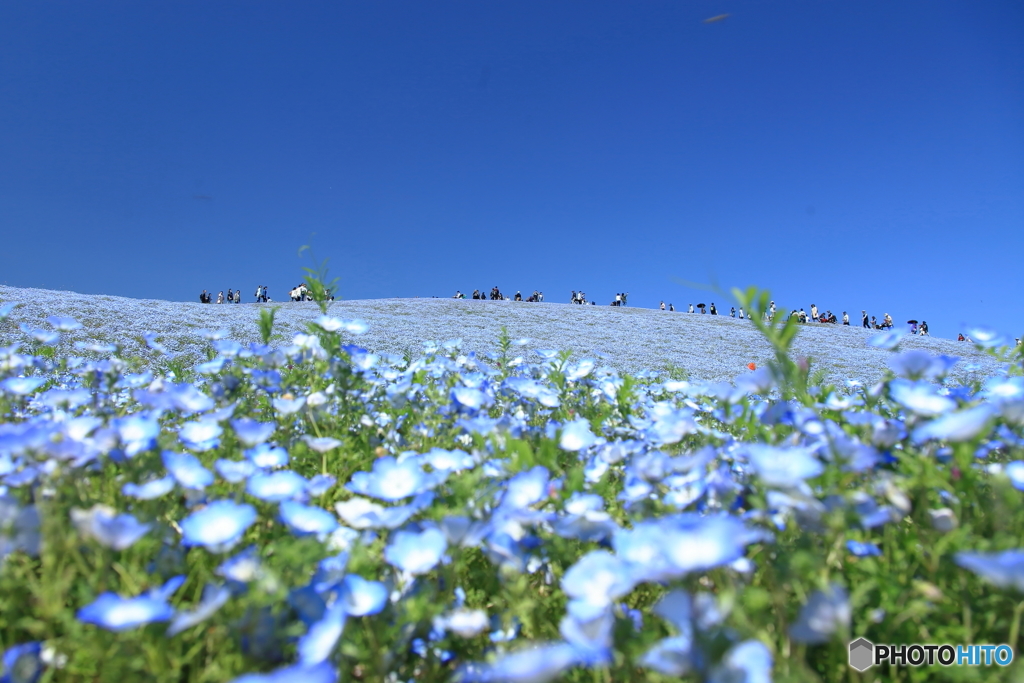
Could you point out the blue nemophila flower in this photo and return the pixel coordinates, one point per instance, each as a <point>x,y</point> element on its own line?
<point>671,547</point>
<point>319,642</point>
<point>599,578</point>
<point>304,519</point>
<point>1004,569</point>
<point>320,484</point>
<point>863,548</point>
<point>749,661</point>
<point>920,398</point>
<point>252,432</point>
<point>1003,388</point>
<point>22,663</point>
<point>453,460</point>
<point>308,604</point>
<point>200,436</point>
<point>886,340</point>
<point>151,341</point>
<point>218,526</point>
<point>465,623</point>
<point>116,613</point>
<point>137,432</point>
<point>5,309</point>
<point>64,324</point>
<point>918,364</point>
<point>1015,471</point>
<point>277,486</point>
<point>534,664</point>
<point>391,480</point>
<point>267,457</point>
<point>329,324</point>
<point>580,370</point>
<point>321,444</point>
<point>781,466</point>
<point>243,567</point>
<point>234,471</point>
<point>360,513</point>
<point>213,599</point>
<point>324,672</point>
<point>45,337</point>
<point>576,436</point>
<point>186,398</point>
<point>526,488</point>
<point>588,628</point>
<point>24,477</point>
<point>671,426</point>
<point>416,553</point>
<point>361,597</point>
<point>110,529</point>
<point>289,406</point>
<point>826,614</point>
<point>987,338</point>
<point>470,399</point>
<point>187,470</point>
<point>21,386</point>
<point>532,389</point>
<point>672,656</point>
<point>211,367</point>
<point>962,425</point>
<point>228,348</point>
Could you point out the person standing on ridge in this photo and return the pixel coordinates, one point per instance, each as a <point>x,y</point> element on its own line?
<point>864,319</point>
<point>714,311</point>
<point>814,313</point>
<point>846,319</point>
<point>691,309</point>
<point>663,305</point>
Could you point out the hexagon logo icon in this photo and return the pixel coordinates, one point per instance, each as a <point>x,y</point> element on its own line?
<point>862,654</point>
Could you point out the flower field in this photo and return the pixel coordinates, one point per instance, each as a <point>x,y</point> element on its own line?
<point>630,340</point>
<point>308,503</point>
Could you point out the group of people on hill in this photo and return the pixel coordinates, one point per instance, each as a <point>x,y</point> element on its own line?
<point>301,293</point>
<point>496,295</point>
<point>580,298</point>
<point>234,297</point>
<point>814,316</point>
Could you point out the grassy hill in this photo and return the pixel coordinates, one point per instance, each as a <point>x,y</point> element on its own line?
<point>711,348</point>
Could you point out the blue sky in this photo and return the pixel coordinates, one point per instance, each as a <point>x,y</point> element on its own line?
<point>854,155</point>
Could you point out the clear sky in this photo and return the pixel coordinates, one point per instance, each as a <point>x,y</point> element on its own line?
<point>854,155</point>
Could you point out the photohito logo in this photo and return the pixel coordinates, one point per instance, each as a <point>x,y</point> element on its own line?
<point>864,654</point>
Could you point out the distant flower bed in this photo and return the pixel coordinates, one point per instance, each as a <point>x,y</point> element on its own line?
<point>318,512</point>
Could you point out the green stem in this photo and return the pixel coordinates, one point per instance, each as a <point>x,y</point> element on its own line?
<point>1015,626</point>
